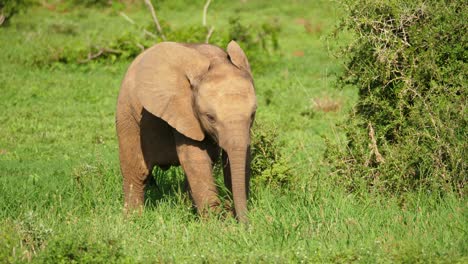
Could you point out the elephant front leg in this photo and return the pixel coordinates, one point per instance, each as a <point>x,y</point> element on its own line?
<point>198,167</point>
<point>135,175</point>
<point>135,170</point>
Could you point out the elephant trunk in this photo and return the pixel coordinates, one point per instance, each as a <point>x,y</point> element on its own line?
<point>238,151</point>
<point>238,164</point>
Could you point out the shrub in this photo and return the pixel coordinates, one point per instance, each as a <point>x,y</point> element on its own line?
<point>8,8</point>
<point>89,3</point>
<point>257,40</point>
<point>408,129</point>
<point>268,165</point>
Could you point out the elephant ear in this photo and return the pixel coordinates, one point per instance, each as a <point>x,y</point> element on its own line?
<point>164,79</point>
<point>237,56</point>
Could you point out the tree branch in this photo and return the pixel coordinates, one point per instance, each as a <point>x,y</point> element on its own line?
<point>208,36</point>
<point>122,14</point>
<point>101,52</point>
<point>155,19</point>
<point>2,18</point>
<point>373,145</point>
<point>205,10</point>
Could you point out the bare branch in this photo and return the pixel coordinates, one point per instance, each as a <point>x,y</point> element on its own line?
<point>208,36</point>
<point>127,18</point>
<point>141,46</point>
<point>101,52</point>
<point>155,19</point>
<point>131,21</point>
<point>205,10</point>
<point>373,145</point>
<point>2,19</point>
<point>149,34</point>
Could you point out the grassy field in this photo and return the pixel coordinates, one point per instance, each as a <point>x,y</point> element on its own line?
<point>60,184</point>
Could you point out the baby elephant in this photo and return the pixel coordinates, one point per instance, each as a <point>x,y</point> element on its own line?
<point>183,104</point>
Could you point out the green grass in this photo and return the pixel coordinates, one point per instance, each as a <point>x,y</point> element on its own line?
<point>60,184</point>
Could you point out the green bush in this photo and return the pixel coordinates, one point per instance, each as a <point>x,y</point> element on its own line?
<point>258,42</point>
<point>91,2</point>
<point>408,129</point>
<point>268,165</point>
<point>126,46</point>
<point>8,8</point>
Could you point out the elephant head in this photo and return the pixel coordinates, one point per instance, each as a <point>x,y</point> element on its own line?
<point>202,91</point>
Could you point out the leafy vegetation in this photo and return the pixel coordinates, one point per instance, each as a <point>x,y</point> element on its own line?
<point>408,129</point>
<point>60,184</point>
<point>8,8</point>
<point>269,167</point>
<point>257,40</point>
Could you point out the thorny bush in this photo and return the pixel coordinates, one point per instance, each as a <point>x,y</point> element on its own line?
<point>408,129</point>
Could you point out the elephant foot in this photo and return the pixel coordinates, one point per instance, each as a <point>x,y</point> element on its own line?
<point>130,211</point>
<point>218,210</point>
<point>228,210</point>
<point>134,199</point>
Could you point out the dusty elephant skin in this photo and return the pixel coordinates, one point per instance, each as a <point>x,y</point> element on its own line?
<point>183,104</point>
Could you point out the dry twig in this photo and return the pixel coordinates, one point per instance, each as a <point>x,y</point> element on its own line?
<point>373,145</point>
<point>131,21</point>
<point>155,19</point>
<point>122,14</point>
<point>101,52</point>
<point>205,10</point>
<point>208,36</point>
<point>2,19</point>
<point>210,31</point>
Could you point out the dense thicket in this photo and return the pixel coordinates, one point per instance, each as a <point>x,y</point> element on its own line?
<point>408,129</point>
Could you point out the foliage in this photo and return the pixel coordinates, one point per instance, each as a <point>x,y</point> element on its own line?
<point>119,4</point>
<point>125,46</point>
<point>268,166</point>
<point>91,2</point>
<point>263,37</point>
<point>408,130</point>
<point>8,8</point>
<point>257,40</point>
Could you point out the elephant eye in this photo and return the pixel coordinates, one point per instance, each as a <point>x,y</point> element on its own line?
<point>210,118</point>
